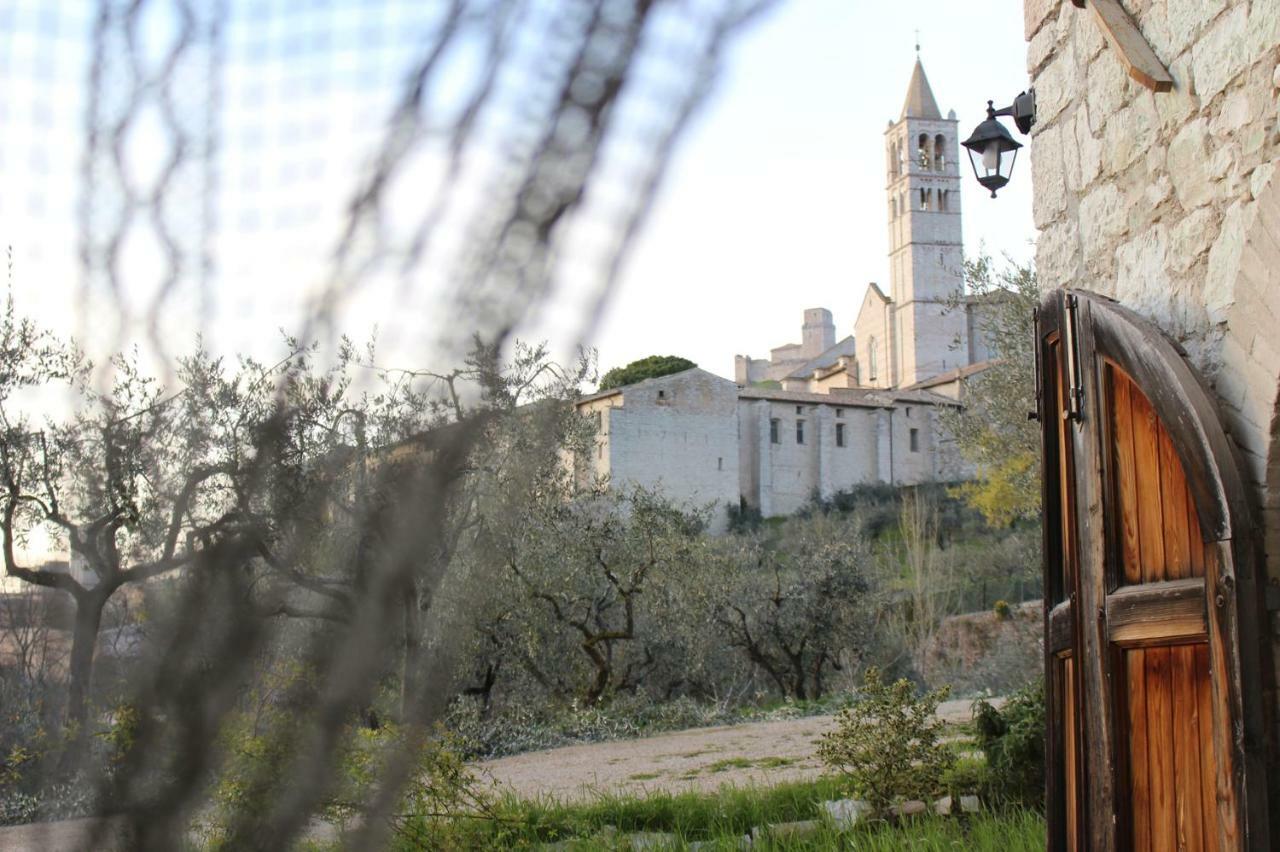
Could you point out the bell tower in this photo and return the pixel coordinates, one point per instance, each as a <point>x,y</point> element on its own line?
<point>926,254</point>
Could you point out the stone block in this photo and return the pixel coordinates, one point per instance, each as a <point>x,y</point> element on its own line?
<point>1130,132</point>
<point>1176,106</point>
<point>1035,13</point>
<point>1109,87</point>
<point>1222,53</point>
<point>1224,260</point>
<point>1088,148</point>
<point>1041,48</point>
<point>786,830</point>
<point>1190,239</point>
<point>655,840</point>
<point>1189,165</point>
<point>969,804</point>
<point>1264,29</point>
<point>1142,281</point>
<point>1102,216</point>
<point>1186,18</point>
<point>911,808</point>
<point>846,813</point>
<point>1056,87</point>
<point>1049,195</point>
<point>943,806</point>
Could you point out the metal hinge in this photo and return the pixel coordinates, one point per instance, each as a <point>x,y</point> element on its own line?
<point>1035,361</point>
<point>1071,345</point>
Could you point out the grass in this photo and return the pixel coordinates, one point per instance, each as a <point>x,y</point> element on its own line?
<point>722,818</point>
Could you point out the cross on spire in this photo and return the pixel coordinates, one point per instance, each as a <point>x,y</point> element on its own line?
<point>917,41</point>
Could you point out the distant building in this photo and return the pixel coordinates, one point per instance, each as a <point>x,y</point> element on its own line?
<point>826,414</point>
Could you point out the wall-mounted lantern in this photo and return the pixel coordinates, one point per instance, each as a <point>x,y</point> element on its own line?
<point>992,148</point>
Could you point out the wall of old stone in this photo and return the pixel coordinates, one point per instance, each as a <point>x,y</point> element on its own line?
<point>1169,202</point>
<point>679,434</point>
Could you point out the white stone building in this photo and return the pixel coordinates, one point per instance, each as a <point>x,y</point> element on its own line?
<point>825,414</point>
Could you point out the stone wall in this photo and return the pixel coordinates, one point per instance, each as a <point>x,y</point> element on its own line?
<point>1169,202</point>
<point>679,434</point>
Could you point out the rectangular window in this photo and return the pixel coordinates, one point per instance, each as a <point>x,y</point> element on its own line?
<point>773,431</point>
<point>720,463</point>
<point>908,411</point>
<point>799,409</point>
<point>839,412</point>
<point>915,440</point>
<point>799,431</point>
<point>839,434</point>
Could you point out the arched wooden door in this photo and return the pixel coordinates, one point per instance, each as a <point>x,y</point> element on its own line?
<point>1154,677</point>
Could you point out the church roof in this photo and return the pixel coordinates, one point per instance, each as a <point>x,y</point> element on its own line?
<point>920,102</point>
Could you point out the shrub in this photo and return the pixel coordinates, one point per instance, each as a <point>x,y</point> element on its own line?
<point>1013,740</point>
<point>1003,610</point>
<point>887,745</point>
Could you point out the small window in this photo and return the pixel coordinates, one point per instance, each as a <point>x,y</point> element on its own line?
<point>799,409</point>
<point>839,434</point>
<point>839,412</point>
<point>925,195</point>
<point>908,411</point>
<point>720,463</point>
<point>662,395</point>
<point>915,440</point>
<point>773,431</point>
<point>799,431</point>
<point>599,451</point>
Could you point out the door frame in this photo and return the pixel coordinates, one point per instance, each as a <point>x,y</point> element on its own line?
<point>1093,329</point>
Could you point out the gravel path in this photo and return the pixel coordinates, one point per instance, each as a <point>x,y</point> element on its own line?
<point>698,759</point>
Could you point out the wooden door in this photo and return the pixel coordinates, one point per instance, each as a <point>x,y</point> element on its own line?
<point>1154,675</point>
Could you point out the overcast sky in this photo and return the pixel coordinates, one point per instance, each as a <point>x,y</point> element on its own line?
<point>774,203</point>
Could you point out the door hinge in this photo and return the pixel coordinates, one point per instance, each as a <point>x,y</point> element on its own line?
<point>1071,344</point>
<point>1035,361</point>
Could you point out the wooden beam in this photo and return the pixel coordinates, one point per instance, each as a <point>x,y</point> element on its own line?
<point>1131,46</point>
<point>1062,628</point>
<point>1158,613</point>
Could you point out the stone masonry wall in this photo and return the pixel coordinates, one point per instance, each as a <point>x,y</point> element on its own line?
<point>1170,202</point>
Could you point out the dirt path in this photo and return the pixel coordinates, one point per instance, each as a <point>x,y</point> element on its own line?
<point>698,759</point>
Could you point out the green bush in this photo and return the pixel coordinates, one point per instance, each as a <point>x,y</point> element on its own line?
<point>645,368</point>
<point>1012,738</point>
<point>1003,610</point>
<point>888,744</point>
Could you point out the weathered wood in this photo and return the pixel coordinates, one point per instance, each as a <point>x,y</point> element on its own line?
<point>1160,748</point>
<point>1158,613</point>
<point>1094,657</point>
<point>1154,501</point>
<point>1173,501</point>
<point>1131,46</point>
<point>1124,475</point>
<point>1189,814</point>
<point>1139,815</point>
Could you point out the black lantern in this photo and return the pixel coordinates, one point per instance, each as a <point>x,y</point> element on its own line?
<point>992,148</point>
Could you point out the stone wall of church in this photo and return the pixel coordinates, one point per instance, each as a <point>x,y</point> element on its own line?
<point>678,433</point>
<point>1169,202</point>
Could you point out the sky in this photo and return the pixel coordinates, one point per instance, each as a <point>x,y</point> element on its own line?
<point>774,202</point>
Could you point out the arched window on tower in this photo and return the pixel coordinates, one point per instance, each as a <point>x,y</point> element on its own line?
<point>893,207</point>
<point>871,359</point>
<point>925,198</point>
<point>939,153</point>
<point>901,155</point>
<point>922,153</point>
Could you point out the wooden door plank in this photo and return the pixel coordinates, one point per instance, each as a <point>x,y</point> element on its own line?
<point>1070,743</point>
<point>1139,782</point>
<point>1160,748</point>
<point>1186,749</point>
<point>1158,613</point>
<point>1146,453</point>
<point>1124,475</point>
<point>1173,499</point>
<point>1223,729</point>
<point>1208,768</point>
<point>1139,60</point>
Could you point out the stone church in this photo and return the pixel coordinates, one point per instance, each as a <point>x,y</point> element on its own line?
<point>826,414</point>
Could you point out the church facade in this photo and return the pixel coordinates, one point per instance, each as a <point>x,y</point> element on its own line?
<point>826,414</point>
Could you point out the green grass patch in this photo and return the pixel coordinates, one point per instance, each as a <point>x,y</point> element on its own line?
<point>725,816</point>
